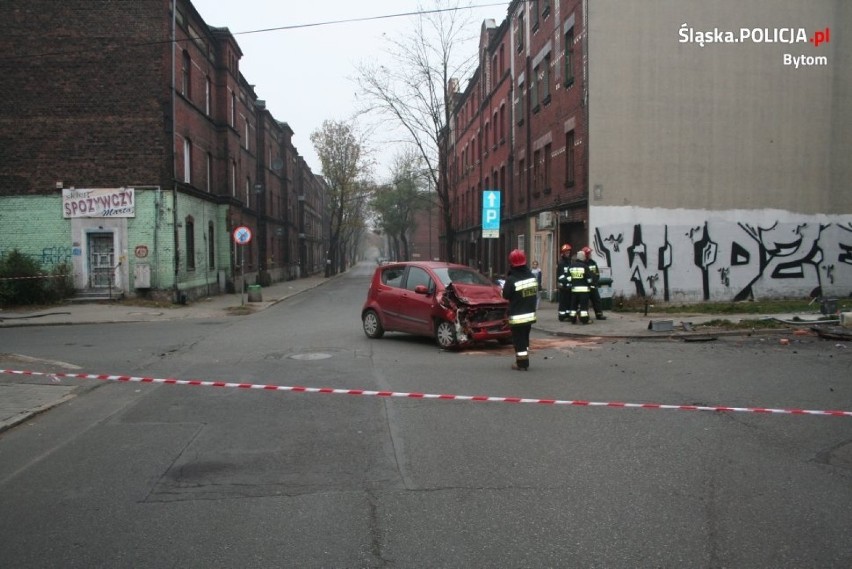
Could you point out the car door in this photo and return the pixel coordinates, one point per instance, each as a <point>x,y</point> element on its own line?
<point>416,309</point>
<point>389,296</point>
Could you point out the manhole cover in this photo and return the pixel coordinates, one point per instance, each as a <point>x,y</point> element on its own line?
<point>311,356</point>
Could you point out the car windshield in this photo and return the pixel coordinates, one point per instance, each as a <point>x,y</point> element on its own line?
<point>449,275</point>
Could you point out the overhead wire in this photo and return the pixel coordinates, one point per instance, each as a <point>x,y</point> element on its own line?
<point>248,32</point>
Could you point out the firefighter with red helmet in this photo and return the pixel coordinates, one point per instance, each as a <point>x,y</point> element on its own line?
<point>594,293</point>
<point>521,290</point>
<point>563,279</point>
<point>581,284</point>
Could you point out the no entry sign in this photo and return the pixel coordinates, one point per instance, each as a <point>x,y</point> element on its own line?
<point>242,235</point>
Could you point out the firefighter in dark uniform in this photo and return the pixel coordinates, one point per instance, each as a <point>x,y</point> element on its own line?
<point>594,294</point>
<point>563,279</point>
<point>581,284</point>
<point>521,290</point>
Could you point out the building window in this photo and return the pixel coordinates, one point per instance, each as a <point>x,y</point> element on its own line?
<point>233,110</point>
<point>494,132</point>
<point>569,158</point>
<point>534,85</point>
<point>534,15</point>
<point>207,93</point>
<point>248,192</point>
<point>546,173</point>
<point>502,124</point>
<point>209,169</point>
<point>495,73</point>
<point>211,247</point>
<point>234,179</point>
<point>247,134</point>
<point>519,104</point>
<point>545,81</point>
<point>189,223</point>
<point>569,57</point>
<point>186,77</point>
<point>187,161</point>
<point>545,8</point>
<point>536,181</point>
<point>519,32</point>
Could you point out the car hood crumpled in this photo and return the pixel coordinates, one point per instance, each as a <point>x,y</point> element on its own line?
<point>476,295</point>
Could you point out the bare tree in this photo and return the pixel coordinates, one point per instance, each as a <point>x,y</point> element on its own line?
<point>396,204</point>
<point>340,153</point>
<point>416,91</point>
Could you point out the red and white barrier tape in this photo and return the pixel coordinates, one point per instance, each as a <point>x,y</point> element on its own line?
<point>444,397</point>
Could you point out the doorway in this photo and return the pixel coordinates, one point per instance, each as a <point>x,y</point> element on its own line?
<point>101,260</point>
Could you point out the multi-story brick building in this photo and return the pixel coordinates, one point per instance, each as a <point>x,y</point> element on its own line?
<point>481,148</point>
<point>695,170</point>
<point>133,147</point>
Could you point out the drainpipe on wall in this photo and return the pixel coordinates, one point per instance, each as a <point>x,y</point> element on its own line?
<point>585,103</point>
<point>174,162</point>
<point>158,208</point>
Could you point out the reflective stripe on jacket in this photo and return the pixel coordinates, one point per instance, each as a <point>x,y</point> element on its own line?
<point>521,290</point>
<point>579,278</point>
<point>527,318</point>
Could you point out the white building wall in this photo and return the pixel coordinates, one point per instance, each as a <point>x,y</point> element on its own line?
<point>693,255</point>
<point>740,148</point>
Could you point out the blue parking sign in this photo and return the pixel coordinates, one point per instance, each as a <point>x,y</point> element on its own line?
<point>491,214</point>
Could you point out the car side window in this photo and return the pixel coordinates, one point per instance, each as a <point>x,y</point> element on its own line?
<point>393,277</point>
<point>416,277</point>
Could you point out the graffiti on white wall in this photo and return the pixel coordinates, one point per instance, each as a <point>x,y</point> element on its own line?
<point>728,261</point>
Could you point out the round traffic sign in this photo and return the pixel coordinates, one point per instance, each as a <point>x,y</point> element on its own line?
<point>242,235</point>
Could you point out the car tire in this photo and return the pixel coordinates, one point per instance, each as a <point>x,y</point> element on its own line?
<point>372,325</point>
<point>445,335</point>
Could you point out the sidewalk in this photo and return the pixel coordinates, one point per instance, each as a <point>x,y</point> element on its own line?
<point>23,396</point>
<point>634,325</point>
<point>218,306</point>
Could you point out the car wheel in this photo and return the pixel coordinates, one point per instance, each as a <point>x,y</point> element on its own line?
<point>445,334</point>
<point>372,325</point>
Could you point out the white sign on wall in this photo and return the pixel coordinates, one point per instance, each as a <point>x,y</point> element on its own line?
<point>101,202</point>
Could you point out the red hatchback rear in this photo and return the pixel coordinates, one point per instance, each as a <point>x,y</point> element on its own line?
<point>454,304</point>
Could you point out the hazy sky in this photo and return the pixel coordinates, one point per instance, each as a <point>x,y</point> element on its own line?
<point>306,75</point>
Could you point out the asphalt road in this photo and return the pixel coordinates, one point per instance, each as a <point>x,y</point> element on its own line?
<point>153,475</point>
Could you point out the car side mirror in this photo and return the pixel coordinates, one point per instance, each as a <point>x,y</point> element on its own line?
<point>421,289</point>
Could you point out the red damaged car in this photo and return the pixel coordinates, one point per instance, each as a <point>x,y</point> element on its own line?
<point>454,304</point>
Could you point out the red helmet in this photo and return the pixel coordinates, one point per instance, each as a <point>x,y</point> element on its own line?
<point>588,251</point>
<point>565,248</point>
<point>517,258</point>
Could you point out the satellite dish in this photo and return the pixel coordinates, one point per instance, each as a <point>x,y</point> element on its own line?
<point>277,164</point>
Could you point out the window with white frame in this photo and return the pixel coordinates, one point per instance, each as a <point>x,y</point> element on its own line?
<point>187,160</point>
<point>186,76</point>
<point>207,94</point>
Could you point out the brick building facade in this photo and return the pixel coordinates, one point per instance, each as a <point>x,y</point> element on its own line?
<point>142,104</point>
<point>520,127</point>
<point>695,171</point>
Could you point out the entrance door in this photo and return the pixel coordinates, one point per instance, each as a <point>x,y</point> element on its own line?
<point>101,259</point>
